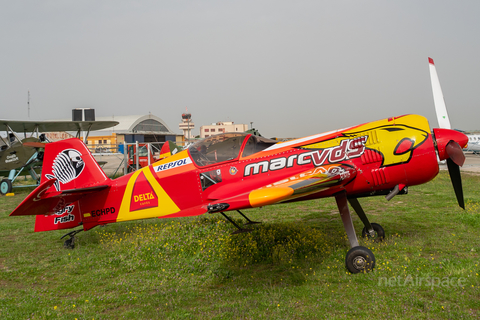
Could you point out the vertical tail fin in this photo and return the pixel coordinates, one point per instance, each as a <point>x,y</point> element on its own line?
<point>72,164</point>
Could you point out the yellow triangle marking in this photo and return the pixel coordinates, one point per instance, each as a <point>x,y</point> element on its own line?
<point>165,203</point>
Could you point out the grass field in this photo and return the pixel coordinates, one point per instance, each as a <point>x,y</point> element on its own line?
<point>291,267</point>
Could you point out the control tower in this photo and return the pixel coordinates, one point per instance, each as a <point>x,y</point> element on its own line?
<point>187,125</point>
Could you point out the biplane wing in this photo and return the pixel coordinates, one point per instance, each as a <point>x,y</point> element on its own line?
<point>21,155</point>
<point>53,126</point>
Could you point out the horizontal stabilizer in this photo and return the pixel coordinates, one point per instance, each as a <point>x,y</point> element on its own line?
<point>46,200</point>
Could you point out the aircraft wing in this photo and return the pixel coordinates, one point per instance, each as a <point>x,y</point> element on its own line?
<point>299,185</point>
<point>53,126</point>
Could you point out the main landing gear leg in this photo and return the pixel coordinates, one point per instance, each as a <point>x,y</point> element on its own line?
<point>249,221</point>
<point>240,230</point>
<point>70,242</point>
<point>358,258</point>
<point>373,231</point>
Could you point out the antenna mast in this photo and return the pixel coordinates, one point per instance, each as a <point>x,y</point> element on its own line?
<point>28,104</point>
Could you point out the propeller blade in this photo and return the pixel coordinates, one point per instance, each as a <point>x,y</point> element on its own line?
<point>455,152</point>
<point>454,171</point>
<point>447,141</point>
<point>438,100</point>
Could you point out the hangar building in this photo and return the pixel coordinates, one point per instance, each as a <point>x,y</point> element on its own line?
<point>147,128</point>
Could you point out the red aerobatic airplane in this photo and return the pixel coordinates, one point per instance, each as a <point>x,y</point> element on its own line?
<point>234,171</point>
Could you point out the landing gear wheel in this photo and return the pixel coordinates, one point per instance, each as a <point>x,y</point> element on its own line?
<point>360,259</point>
<point>69,243</point>
<point>5,186</point>
<point>379,233</point>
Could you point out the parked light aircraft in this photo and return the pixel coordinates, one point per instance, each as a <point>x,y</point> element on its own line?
<point>236,171</point>
<point>21,156</point>
<point>473,143</point>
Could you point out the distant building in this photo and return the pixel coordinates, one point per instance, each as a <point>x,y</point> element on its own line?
<point>221,127</point>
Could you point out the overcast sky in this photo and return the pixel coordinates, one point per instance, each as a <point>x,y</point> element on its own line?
<point>293,68</point>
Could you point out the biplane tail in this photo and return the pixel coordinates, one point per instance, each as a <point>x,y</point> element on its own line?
<point>169,148</point>
<point>69,173</point>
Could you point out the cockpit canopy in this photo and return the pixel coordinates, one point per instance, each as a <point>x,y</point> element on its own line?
<point>226,146</point>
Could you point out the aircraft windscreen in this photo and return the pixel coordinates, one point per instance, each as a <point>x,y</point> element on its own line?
<point>224,147</point>
<point>217,148</point>
<point>256,144</point>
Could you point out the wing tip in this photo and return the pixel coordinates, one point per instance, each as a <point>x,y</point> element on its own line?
<point>430,60</point>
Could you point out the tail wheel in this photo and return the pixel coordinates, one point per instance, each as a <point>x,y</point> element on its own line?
<point>360,259</point>
<point>379,232</point>
<point>69,243</point>
<point>5,186</point>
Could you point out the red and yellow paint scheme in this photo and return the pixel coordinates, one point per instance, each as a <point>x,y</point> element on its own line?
<point>235,171</point>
